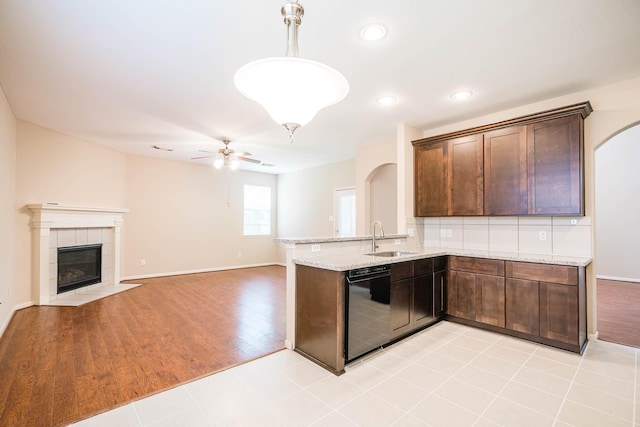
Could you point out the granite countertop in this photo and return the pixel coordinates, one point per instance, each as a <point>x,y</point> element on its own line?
<point>303,240</point>
<point>344,262</point>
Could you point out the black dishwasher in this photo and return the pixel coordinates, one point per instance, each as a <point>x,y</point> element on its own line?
<point>367,323</point>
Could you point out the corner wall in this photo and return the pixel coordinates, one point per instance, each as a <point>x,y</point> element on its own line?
<point>8,282</point>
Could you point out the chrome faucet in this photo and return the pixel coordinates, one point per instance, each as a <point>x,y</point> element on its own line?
<point>373,238</point>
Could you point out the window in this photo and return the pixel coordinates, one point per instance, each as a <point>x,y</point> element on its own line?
<point>345,212</point>
<point>257,210</point>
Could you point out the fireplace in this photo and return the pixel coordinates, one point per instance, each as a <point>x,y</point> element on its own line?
<point>79,266</point>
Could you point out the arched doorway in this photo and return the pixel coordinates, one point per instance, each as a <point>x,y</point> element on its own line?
<point>382,199</point>
<point>617,237</point>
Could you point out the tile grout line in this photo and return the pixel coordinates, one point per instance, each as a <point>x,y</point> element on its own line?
<point>566,394</point>
<point>497,395</point>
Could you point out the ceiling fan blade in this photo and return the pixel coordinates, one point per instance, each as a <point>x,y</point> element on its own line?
<point>200,157</point>
<point>207,151</point>
<point>246,159</point>
<point>268,164</point>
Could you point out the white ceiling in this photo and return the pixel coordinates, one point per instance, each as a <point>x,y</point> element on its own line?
<point>130,74</point>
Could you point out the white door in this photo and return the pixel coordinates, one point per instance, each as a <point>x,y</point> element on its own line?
<point>345,212</point>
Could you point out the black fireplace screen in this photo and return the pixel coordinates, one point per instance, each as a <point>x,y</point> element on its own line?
<point>79,266</point>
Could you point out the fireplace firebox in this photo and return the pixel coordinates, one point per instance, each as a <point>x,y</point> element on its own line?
<point>79,266</point>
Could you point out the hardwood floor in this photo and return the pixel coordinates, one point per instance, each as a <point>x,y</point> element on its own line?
<point>619,312</point>
<point>61,364</point>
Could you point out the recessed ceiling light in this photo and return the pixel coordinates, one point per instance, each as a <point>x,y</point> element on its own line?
<point>386,100</point>
<point>461,95</point>
<point>373,32</point>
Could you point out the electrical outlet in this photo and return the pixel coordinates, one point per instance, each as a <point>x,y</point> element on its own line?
<point>239,254</point>
<point>397,242</point>
<point>449,232</point>
<point>315,248</point>
<point>443,232</point>
<point>143,261</point>
<point>543,235</point>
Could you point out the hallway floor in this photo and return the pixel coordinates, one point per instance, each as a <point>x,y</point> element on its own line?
<point>448,375</point>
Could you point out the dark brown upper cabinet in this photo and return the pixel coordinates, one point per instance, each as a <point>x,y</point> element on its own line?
<point>531,165</point>
<point>449,177</point>
<point>555,166</point>
<point>505,171</point>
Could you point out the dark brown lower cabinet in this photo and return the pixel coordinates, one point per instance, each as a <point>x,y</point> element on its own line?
<point>523,305</point>
<point>461,295</point>
<point>320,316</point>
<point>423,297</point>
<point>541,302</point>
<point>414,294</point>
<point>558,305</point>
<point>490,300</point>
<point>558,294</point>
<point>401,307</point>
<point>476,290</point>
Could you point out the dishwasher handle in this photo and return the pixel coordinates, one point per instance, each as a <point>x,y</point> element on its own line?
<point>352,280</point>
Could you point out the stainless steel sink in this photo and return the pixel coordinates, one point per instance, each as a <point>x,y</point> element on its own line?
<point>390,254</point>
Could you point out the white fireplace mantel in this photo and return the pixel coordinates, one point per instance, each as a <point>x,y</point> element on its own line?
<point>47,216</point>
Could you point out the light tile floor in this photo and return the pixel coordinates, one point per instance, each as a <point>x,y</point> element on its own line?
<point>90,293</point>
<point>448,375</point>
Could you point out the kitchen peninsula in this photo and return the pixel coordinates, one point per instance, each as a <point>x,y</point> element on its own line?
<point>532,296</point>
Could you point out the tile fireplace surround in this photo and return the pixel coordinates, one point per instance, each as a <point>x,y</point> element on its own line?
<point>53,226</point>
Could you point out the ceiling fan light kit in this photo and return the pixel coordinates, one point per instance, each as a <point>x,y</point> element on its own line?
<point>229,158</point>
<point>291,89</point>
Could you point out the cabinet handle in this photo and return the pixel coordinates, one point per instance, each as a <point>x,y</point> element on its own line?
<point>441,293</point>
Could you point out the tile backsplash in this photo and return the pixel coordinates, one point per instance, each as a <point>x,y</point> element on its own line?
<point>570,236</point>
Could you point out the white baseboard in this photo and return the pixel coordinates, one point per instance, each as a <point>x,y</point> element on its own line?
<point>593,337</point>
<point>618,279</point>
<point>203,270</point>
<point>13,311</point>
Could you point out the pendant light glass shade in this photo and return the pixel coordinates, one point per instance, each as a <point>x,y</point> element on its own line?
<point>291,89</point>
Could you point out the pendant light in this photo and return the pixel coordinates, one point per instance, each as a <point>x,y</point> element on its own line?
<point>291,89</point>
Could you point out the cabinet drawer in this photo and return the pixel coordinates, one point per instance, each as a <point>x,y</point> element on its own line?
<point>565,275</point>
<point>492,267</point>
<point>401,270</point>
<point>423,266</point>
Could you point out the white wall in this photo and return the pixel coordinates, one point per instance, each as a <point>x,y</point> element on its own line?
<point>617,205</point>
<point>368,159</point>
<point>180,220</point>
<point>7,211</point>
<point>305,199</point>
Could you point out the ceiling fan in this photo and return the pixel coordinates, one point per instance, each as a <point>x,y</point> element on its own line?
<point>229,158</point>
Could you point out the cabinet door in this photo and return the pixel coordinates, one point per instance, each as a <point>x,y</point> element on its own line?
<point>401,307</point>
<point>465,176</point>
<point>422,300</point>
<point>559,312</point>
<point>505,171</point>
<point>522,306</point>
<point>490,300</point>
<point>554,168</point>
<point>461,295</point>
<point>430,179</point>
<point>439,294</point>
